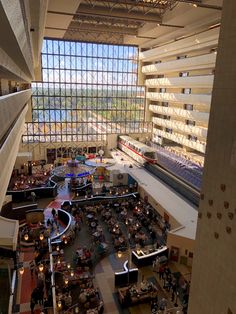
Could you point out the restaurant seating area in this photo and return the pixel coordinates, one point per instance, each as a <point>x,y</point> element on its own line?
<point>75,283</point>
<point>38,177</point>
<point>100,228</point>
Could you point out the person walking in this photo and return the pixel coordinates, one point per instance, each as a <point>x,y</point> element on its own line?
<point>53,212</point>
<point>32,267</point>
<point>33,196</point>
<point>32,305</point>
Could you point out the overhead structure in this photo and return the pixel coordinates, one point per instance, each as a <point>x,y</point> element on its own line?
<point>113,21</point>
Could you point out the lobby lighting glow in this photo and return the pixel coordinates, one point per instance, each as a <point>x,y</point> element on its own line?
<point>77,309</point>
<point>41,267</point>
<point>68,265</point>
<point>41,237</point>
<point>26,237</point>
<point>21,270</point>
<point>119,254</point>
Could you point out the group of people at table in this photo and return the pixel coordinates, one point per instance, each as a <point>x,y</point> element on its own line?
<point>24,181</point>
<point>76,286</point>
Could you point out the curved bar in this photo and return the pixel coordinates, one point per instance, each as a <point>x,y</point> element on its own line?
<point>127,276</point>
<point>58,237</point>
<point>147,259</point>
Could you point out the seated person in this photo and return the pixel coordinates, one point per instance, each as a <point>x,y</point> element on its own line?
<point>104,189</point>
<point>127,297</point>
<point>82,297</point>
<point>87,253</point>
<point>144,286</point>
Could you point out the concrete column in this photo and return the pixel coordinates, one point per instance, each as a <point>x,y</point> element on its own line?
<point>214,276</point>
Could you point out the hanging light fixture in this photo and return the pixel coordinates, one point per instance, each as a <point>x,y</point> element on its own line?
<point>21,270</point>
<point>41,267</point>
<point>26,237</point>
<point>72,273</point>
<point>58,248</point>
<point>65,241</point>
<point>119,254</point>
<point>41,237</point>
<point>58,261</point>
<point>68,265</point>
<point>66,281</point>
<point>59,304</point>
<point>76,309</point>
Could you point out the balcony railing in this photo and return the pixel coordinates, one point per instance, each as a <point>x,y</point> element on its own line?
<point>181,139</point>
<point>181,127</point>
<point>178,112</point>
<point>195,99</point>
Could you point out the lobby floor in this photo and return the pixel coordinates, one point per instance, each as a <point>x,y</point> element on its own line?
<point>104,275</point>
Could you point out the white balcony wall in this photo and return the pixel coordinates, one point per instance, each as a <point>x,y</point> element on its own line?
<point>206,61</point>
<point>10,107</point>
<point>181,127</point>
<point>8,152</point>
<point>181,139</point>
<point>20,47</point>
<point>181,98</point>
<point>196,42</point>
<point>177,112</point>
<point>201,81</point>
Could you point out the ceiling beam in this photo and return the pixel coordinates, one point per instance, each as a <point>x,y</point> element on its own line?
<point>119,13</point>
<point>138,3</point>
<point>97,29</point>
<point>115,14</point>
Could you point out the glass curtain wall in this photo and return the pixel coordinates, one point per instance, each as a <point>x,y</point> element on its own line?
<point>87,91</point>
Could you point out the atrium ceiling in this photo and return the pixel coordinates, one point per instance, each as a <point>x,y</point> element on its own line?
<point>146,23</point>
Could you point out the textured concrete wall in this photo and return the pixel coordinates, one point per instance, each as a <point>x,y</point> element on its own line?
<point>214,276</point>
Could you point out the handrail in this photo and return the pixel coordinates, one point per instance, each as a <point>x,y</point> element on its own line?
<point>82,187</point>
<point>100,197</point>
<point>166,311</point>
<point>52,278</point>
<point>12,292</point>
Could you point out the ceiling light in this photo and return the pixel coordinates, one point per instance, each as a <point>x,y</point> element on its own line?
<point>158,24</point>
<point>194,5</point>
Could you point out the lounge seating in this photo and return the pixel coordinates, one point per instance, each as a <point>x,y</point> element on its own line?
<point>132,295</point>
